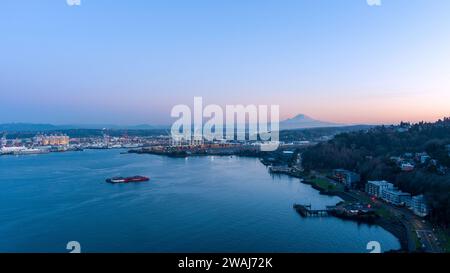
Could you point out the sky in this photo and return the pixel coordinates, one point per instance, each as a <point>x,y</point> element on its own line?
<point>130,62</point>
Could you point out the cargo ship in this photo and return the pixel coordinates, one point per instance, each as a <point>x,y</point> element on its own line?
<point>132,179</point>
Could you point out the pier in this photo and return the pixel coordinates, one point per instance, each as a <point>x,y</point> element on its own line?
<point>306,211</point>
<point>280,169</point>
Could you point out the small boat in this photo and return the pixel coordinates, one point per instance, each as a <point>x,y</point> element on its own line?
<point>132,179</point>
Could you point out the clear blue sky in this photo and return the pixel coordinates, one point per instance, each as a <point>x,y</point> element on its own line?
<point>129,62</point>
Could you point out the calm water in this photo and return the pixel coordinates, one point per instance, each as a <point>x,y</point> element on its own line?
<point>204,204</point>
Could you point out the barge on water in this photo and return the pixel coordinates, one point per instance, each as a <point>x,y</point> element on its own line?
<point>132,179</point>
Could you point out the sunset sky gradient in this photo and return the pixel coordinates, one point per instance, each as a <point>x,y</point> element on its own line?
<point>130,62</point>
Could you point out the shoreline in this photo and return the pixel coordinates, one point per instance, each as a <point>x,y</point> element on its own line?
<point>395,227</point>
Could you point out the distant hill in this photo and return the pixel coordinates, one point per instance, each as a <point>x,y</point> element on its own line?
<point>313,134</point>
<point>34,127</point>
<point>16,127</point>
<point>304,122</point>
<point>298,122</point>
<point>114,126</point>
<point>370,153</point>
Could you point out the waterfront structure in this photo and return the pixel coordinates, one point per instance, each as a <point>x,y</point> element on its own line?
<point>30,151</point>
<point>346,177</point>
<point>396,197</point>
<point>419,206</point>
<point>387,192</point>
<point>52,140</point>
<point>375,188</point>
<point>187,142</point>
<point>11,150</point>
<point>3,142</point>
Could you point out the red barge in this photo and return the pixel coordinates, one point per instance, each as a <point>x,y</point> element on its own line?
<point>132,179</point>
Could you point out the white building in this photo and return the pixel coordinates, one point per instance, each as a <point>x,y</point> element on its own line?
<point>3,142</point>
<point>390,194</point>
<point>375,188</point>
<point>396,197</point>
<point>419,206</point>
<point>407,167</point>
<point>51,140</point>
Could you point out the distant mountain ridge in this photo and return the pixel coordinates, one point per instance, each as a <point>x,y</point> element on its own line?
<point>302,121</point>
<point>6,127</point>
<point>42,127</point>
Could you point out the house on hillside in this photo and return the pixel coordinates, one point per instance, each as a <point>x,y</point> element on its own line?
<point>422,158</point>
<point>407,167</point>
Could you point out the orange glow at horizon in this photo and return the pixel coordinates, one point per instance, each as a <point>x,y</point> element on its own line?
<point>428,107</point>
